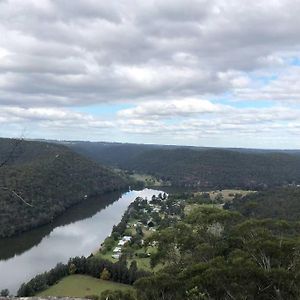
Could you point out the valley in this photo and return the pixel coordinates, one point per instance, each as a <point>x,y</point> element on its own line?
<point>149,150</point>
<point>79,231</point>
<point>85,224</point>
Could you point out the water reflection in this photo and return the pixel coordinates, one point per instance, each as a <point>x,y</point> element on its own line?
<point>10,247</point>
<point>78,232</point>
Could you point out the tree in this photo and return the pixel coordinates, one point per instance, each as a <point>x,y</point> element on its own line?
<point>160,286</point>
<point>216,254</point>
<point>105,275</point>
<point>4,293</point>
<point>117,295</point>
<point>72,269</point>
<point>133,272</point>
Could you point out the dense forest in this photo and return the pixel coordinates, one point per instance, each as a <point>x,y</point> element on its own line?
<point>280,203</point>
<point>40,180</point>
<point>218,254</point>
<point>212,253</point>
<point>200,167</point>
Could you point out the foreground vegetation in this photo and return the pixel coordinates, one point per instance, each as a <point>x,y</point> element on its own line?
<point>216,254</point>
<point>49,178</point>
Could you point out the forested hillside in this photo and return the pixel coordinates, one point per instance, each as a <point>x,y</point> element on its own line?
<point>201,167</point>
<point>114,154</point>
<point>49,178</point>
<point>281,203</point>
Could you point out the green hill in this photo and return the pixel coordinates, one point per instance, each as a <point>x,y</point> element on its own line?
<point>48,177</point>
<point>201,167</point>
<point>280,203</point>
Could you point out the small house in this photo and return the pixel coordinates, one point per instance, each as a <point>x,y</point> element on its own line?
<point>117,250</point>
<point>121,243</point>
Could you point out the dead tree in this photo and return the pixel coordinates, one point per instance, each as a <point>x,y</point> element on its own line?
<point>5,161</point>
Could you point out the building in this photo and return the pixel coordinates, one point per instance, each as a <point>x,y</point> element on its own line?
<point>126,238</point>
<point>117,250</point>
<point>122,243</point>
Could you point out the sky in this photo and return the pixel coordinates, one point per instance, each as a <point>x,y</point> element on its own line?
<point>190,72</point>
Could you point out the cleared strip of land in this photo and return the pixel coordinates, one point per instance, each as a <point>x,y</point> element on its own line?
<point>82,286</point>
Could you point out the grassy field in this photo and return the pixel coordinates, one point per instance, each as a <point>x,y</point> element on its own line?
<point>82,286</point>
<point>190,207</point>
<point>149,180</point>
<point>227,195</point>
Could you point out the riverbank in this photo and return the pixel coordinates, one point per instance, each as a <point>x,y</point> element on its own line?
<point>124,256</point>
<point>128,239</point>
<point>78,232</point>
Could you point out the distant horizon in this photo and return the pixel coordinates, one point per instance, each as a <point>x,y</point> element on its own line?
<point>153,144</point>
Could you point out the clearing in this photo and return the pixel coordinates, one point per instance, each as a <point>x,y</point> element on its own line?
<point>82,286</point>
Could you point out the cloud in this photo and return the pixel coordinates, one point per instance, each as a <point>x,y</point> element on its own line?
<point>169,109</point>
<point>94,52</point>
<point>271,127</point>
<point>191,121</point>
<point>284,87</point>
<point>183,67</point>
<point>50,117</point>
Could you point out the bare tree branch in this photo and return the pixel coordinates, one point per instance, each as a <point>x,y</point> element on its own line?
<point>16,195</point>
<point>5,161</point>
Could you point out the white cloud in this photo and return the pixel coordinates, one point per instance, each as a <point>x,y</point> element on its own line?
<point>94,51</point>
<point>171,60</point>
<point>51,117</point>
<point>285,87</point>
<point>173,108</point>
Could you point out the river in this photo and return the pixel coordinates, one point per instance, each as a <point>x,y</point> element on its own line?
<point>79,231</point>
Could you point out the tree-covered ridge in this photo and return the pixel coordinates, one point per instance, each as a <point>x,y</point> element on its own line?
<point>50,178</point>
<point>281,203</point>
<point>201,167</point>
<point>215,254</point>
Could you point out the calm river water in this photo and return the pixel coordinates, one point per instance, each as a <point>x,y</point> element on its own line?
<point>78,232</point>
